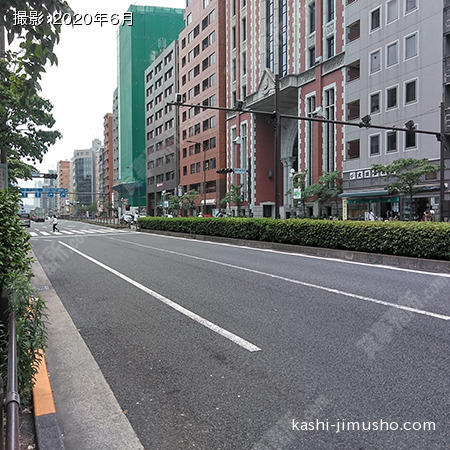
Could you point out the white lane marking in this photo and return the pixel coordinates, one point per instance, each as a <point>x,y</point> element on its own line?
<point>78,231</point>
<point>66,232</point>
<point>303,255</point>
<point>89,231</point>
<point>303,283</point>
<point>45,233</point>
<point>232,337</point>
<point>33,233</point>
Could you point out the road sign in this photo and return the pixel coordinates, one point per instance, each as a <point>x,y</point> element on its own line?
<point>240,171</point>
<point>297,193</point>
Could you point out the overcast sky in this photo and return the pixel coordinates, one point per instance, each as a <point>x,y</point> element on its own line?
<point>81,86</point>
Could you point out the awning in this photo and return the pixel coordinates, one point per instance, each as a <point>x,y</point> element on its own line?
<point>209,202</point>
<point>128,188</point>
<point>364,194</point>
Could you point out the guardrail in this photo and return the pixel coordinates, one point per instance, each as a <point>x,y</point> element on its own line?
<point>12,401</point>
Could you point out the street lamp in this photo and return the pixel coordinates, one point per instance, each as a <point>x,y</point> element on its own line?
<point>204,173</point>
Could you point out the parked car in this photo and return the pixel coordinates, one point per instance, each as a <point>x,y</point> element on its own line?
<point>127,218</point>
<point>25,219</point>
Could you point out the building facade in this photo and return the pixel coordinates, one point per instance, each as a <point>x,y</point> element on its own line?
<point>63,181</point>
<point>162,129</point>
<point>84,175</point>
<point>153,28</point>
<point>106,169</point>
<point>393,76</point>
<point>202,82</point>
<point>295,46</point>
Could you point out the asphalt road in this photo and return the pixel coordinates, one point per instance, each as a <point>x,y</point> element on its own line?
<point>214,346</point>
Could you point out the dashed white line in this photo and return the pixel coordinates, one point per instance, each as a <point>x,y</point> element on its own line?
<point>212,326</point>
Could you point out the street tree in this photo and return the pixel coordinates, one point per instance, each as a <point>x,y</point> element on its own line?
<point>307,192</point>
<point>327,188</point>
<point>175,204</point>
<point>189,200</point>
<point>406,175</point>
<point>29,22</point>
<point>234,195</point>
<point>25,125</point>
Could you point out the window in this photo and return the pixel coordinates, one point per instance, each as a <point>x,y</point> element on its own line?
<point>330,47</point>
<point>353,149</point>
<point>392,11</point>
<point>411,46</point>
<point>312,17</point>
<point>375,19</point>
<point>375,61</point>
<point>410,5</point>
<point>410,92</point>
<point>410,140</point>
<point>391,144</point>
<point>244,63</point>
<point>392,54</point>
<point>312,56</point>
<point>353,110</point>
<point>330,10</point>
<point>375,103</point>
<point>353,71</point>
<point>353,31</point>
<point>374,143</point>
<point>189,19</point>
<point>391,97</point>
<point>233,37</point>
<point>244,29</point>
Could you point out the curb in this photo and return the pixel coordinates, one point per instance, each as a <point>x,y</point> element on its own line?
<point>48,432</point>
<point>404,262</point>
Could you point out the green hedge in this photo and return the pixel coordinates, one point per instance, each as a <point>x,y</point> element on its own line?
<point>416,239</point>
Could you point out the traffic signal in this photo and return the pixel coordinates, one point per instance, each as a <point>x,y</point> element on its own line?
<point>50,175</point>
<point>225,170</point>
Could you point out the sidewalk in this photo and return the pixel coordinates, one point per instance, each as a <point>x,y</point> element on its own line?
<point>87,415</point>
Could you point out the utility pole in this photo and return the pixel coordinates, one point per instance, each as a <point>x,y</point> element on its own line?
<point>277,146</point>
<point>442,165</point>
<point>4,154</point>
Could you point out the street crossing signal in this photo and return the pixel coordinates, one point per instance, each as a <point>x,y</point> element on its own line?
<point>225,170</point>
<point>50,175</point>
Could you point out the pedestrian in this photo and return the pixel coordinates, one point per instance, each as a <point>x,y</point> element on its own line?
<point>371,216</point>
<point>55,224</point>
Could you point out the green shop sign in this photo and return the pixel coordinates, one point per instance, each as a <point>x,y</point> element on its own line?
<point>374,200</point>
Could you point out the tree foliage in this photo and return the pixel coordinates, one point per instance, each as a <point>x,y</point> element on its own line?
<point>406,174</point>
<point>328,188</point>
<point>25,124</point>
<point>15,293</point>
<point>36,41</point>
<point>234,195</point>
<point>189,200</point>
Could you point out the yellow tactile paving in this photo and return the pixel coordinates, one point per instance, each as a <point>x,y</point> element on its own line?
<point>44,402</point>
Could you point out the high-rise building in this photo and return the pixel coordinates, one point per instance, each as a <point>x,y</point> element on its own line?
<point>162,128</point>
<point>202,81</point>
<point>83,167</point>
<point>153,29</point>
<point>300,43</point>
<point>394,78</point>
<point>63,181</point>
<point>106,168</point>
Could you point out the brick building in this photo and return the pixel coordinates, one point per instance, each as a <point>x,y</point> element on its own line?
<point>202,81</point>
